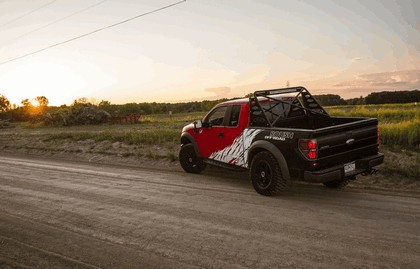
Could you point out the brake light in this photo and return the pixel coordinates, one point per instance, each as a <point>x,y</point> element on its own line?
<point>311,144</point>
<point>312,154</point>
<point>378,137</point>
<point>309,148</point>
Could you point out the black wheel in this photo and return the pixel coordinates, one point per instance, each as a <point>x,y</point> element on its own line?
<point>189,160</point>
<point>338,183</point>
<point>266,175</point>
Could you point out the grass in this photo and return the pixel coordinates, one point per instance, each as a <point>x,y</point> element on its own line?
<point>399,124</point>
<point>405,134</point>
<point>399,127</point>
<point>150,130</point>
<point>175,118</point>
<point>148,137</point>
<point>384,113</point>
<point>400,162</point>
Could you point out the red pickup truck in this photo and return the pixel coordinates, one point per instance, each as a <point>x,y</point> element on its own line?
<point>282,135</point>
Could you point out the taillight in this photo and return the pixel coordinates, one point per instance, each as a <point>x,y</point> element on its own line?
<point>378,138</point>
<point>311,144</point>
<point>312,154</point>
<point>309,148</point>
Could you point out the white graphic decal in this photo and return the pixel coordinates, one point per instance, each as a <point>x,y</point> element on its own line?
<point>237,152</point>
<point>279,135</point>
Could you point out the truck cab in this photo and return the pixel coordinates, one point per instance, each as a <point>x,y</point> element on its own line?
<point>219,128</point>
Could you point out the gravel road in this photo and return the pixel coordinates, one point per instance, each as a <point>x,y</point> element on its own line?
<point>57,214</point>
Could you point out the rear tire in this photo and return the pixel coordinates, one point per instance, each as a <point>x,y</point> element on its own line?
<point>266,176</point>
<point>189,160</point>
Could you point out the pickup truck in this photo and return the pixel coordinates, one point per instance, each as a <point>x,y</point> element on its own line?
<point>281,135</point>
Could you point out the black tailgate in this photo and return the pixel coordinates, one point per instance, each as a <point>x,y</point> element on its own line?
<point>347,142</point>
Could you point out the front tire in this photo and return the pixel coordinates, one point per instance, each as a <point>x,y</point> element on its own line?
<point>189,160</point>
<point>266,176</point>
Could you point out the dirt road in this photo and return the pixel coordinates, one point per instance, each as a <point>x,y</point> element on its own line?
<point>56,214</point>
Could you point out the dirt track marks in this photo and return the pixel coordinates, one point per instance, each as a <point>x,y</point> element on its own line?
<point>71,215</point>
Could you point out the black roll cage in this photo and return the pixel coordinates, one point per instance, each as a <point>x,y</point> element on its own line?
<point>303,101</point>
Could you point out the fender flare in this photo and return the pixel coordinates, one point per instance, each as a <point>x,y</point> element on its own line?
<point>188,137</point>
<point>261,145</point>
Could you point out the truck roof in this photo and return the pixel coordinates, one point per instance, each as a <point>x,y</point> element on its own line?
<point>240,101</point>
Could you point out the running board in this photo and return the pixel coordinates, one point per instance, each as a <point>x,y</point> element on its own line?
<point>224,165</point>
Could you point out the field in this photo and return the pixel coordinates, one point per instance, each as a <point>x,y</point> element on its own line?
<point>399,126</point>
<point>399,123</point>
<point>157,137</point>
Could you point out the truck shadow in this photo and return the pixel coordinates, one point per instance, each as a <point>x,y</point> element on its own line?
<point>295,189</point>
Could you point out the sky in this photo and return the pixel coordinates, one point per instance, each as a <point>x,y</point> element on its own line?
<point>205,49</point>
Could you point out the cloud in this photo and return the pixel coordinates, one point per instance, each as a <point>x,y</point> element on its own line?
<point>220,92</point>
<point>398,80</point>
<point>356,59</point>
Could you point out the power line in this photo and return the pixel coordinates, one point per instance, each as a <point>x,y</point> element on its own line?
<point>54,22</point>
<point>27,13</point>
<point>95,31</point>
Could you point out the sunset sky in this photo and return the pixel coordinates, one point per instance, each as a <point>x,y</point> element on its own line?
<point>206,49</point>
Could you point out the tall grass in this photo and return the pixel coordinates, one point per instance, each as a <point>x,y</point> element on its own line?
<point>405,134</point>
<point>386,113</point>
<point>148,137</point>
<point>175,118</point>
<point>399,124</point>
<point>151,130</point>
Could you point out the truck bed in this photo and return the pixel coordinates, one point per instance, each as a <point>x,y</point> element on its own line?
<point>339,139</point>
<point>315,122</point>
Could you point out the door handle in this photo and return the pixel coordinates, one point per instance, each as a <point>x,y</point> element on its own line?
<point>220,135</point>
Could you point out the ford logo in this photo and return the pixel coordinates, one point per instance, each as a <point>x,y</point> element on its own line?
<point>350,141</point>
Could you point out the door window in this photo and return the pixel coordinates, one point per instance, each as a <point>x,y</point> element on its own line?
<point>234,115</point>
<point>216,118</point>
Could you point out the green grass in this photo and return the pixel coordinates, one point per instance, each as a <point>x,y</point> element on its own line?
<point>405,134</point>
<point>175,118</point>
<point>399,127</point>
<point>399,124</point>
<point>150,130</point>
<point>400,162</point>
<point>148,137</point>
<point>384,113</point>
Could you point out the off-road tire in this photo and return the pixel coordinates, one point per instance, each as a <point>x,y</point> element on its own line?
<point>338,183</point>
<point>266,176</point>
<point>189,160</point>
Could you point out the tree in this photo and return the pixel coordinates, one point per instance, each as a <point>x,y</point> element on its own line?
<point>26,103</point>
<point>80,100</point>
<point>388,97</point>
<point>42,101</point>
<point>104,103</point>
<point>330,99</point>
<point>27,111</point>
<point>4,103</point>
<point>355,101</point>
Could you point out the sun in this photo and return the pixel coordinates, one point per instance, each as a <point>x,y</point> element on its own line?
<point>58,82</point>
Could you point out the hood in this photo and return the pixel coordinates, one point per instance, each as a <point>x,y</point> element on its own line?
<point>188,127</point>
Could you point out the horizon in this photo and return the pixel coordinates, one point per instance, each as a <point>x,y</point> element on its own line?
<point>200,50</point>
<point>96,102</point>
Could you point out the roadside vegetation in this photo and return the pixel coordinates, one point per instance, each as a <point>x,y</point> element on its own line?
<point>399,126</point>
<point>82,126</point>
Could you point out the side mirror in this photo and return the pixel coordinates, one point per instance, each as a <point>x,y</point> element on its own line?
<point>197,125</point>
